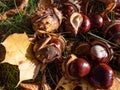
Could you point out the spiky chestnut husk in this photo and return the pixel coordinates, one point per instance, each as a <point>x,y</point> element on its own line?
<point>48,53</point>
<point>46,19</point>
<point>48,48</point>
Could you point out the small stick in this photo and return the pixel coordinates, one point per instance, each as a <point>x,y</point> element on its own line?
<point>12,12</point>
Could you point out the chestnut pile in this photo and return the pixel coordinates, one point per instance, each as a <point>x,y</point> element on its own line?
<point>62,35</point>
<point>93,63</point>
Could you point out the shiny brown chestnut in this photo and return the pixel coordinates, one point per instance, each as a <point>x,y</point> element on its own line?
<point>96,21</point>
<point>86,25</point>
<point>60,42</point>
<point>101,51</point>
<point>112,31</point>
<point>79,68</point>
<point>57,43</point>
<point>69,7</point>
<point>101,76</point>
<point>77,23</point>
<point>74,67</point>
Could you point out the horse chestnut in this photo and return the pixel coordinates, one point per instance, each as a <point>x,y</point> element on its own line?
<point>79,68</point>
<point>60,42</point>
<point>73,23</point>
<point>69,7</point>
<point>77,23</point>
<point>99,53</point>
<point>68,10</point>
<point>96,21</point>
<point>86,24</point>
<point>57,43</point>
<point>101,76</point>
<point>112,31</point>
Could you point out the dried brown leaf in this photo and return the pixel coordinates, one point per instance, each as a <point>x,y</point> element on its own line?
<point>109,8</point>
<point>41,85</point>
<point>46,3</point>
<point>65,84</point>
<point>33,86</point>
<point>108,1</point>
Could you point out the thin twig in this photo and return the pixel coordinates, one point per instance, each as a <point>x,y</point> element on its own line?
<point>103,39</point>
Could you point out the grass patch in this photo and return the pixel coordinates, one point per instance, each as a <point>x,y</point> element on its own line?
<point>18,23</point>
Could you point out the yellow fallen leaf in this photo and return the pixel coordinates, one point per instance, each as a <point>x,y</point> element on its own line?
<point>19,52</point>
<point>16,46</point>
<point>28,70</point>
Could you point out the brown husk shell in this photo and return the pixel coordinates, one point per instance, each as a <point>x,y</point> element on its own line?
<point>46,19</point>
<point>66,64</point>
<point>44,50</point>
<point>48,53</point>
<point>73,23</point>
<point>81,49</point>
